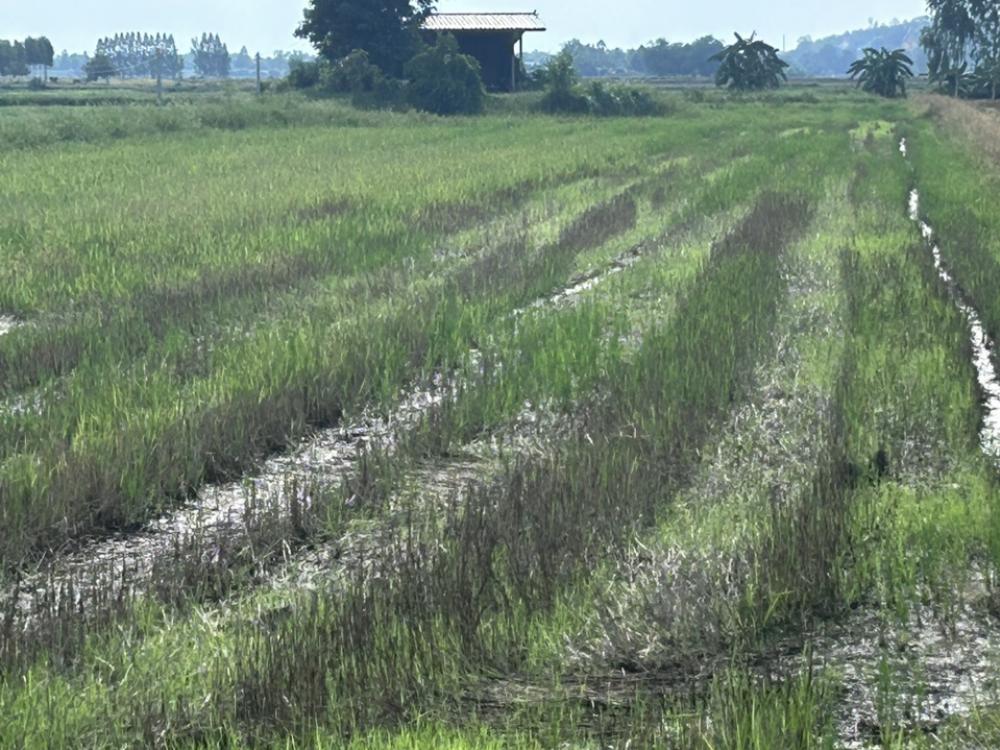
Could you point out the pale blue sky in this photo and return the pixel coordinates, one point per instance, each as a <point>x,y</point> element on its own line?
<point>267,25</point>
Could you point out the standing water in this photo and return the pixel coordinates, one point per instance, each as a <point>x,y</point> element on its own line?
<point>8,324</point>
<point>937,673</point>
<point>982,344</point>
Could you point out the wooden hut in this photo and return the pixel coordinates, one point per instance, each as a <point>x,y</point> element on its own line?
<point>496,40</point>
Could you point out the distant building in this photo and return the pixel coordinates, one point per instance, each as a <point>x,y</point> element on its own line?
<point>491,38</point>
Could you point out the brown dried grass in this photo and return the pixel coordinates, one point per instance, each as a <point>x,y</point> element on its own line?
<point>976,122</point>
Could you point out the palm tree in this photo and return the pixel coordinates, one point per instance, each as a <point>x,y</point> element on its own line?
<point>883,72</point>
<point>749,65</point>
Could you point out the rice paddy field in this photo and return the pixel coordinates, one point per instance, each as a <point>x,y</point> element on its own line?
<point>331,429</point>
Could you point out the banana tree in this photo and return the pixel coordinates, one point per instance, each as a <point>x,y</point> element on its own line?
<point>883,72</point>
<point>749,65</point>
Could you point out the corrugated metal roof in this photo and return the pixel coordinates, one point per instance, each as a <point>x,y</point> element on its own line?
<point>484,22</point>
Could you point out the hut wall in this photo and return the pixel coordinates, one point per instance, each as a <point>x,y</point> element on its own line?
<point>495,53</point>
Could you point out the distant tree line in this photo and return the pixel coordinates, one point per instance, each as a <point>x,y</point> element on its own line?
<point>242,64</point>
<point>18,58</point>
<point>658,58</point>
<point>135,55</point>
<point>829,56</point>
<point>211,56</point>
<point>832,55</point>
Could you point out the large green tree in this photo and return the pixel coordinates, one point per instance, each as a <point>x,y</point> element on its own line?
<point>749,65</point>
<point>388,30</point>
<point>985,16</point>
<point>947,41</point>
<point>964,34</point>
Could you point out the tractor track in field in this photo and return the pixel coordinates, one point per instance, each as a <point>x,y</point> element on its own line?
<point>982,345</point>
<point>655,619</point>
<point>125,562</point>
<point>938,665</point>
<point>939,668</point>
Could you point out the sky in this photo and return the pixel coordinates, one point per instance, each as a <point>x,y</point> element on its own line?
<point>267,25</point>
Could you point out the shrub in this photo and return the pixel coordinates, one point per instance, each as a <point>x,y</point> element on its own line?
<point>387,93</point>
<point>570,102</point>
<point>621,101</point>
<point>561,94</point>
<point>564,95</point>
<point>351,74</point>
<point>304,74</point>
<point>444,81</point>
<point>36,84</point>
<point>530,80</point>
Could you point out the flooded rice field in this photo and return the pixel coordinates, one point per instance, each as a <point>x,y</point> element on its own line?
<point>675,431</point>
<point>218,514</point>
<point>934,666</point>
<point>913,677</point>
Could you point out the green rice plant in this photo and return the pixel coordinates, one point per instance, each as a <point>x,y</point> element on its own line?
<point>338,278</point>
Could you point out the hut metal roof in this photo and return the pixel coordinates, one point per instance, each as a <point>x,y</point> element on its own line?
<point>484,22</point>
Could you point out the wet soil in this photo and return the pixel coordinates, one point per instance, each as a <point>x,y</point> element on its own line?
<point>911,677</point>
<point>121,563</point>
<point>934,665</point>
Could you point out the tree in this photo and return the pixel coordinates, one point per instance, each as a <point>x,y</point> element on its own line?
<point>749,65</point>
<point>211,56</point>
<point>444,81</point>
<point>13,59</point>
<point>39,52</point>
<point>100,66</point>
<point>947,41</point>
<point>883,72</point>
<point>599,59</point>
<point>697,58</point>
<point>985,16</point>
<point>243,64</point>
<point>388,30</point>
<point>964,35</point>
<point>141,55</point>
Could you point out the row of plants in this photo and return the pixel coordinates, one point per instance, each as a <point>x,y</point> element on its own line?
<point>460,622</point>
<point>117,385</point>
<point>259,666</point>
